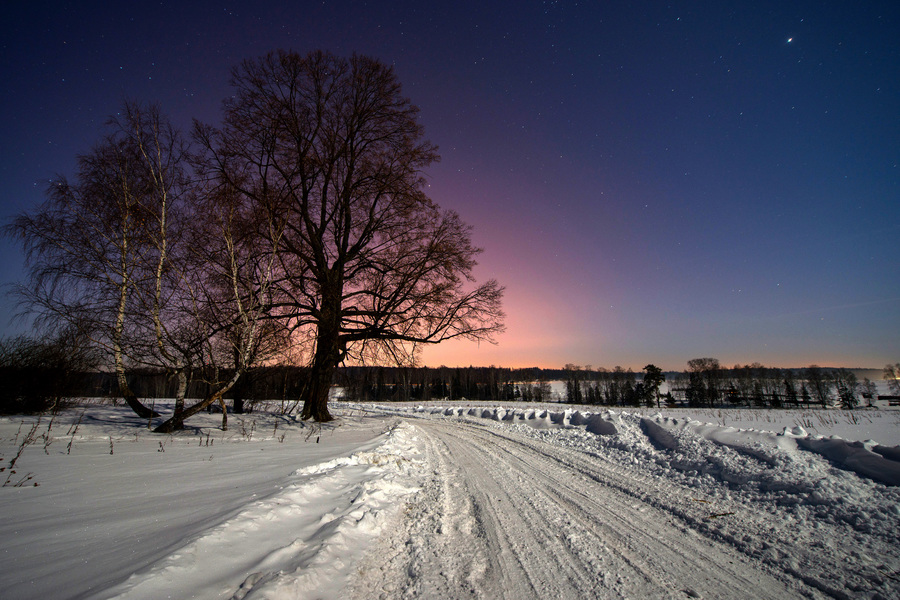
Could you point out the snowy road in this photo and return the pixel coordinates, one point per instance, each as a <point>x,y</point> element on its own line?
<point>508,517</point>
<point>504,515</point>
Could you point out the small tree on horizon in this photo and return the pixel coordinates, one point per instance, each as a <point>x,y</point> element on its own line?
<point>891,375</point>
<point>819,384</point>
<point>704,375</point>
<point>653,379</point>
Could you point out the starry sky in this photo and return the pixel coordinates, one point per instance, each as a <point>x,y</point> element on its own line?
<point>651,181</point>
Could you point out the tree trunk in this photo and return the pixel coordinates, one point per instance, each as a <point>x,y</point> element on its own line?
<point>329,352</point>
<point>176,422</point>
<point>130,398</point>
<point>179,397</point>
<point>238,392</point>
<point>315,396</point>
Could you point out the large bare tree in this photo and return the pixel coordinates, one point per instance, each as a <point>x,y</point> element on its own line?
<point>369,266</point>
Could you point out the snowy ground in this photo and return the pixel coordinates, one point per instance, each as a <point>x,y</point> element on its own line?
<point>454,501</point>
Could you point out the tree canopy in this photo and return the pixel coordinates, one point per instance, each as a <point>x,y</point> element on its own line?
<point>369,265</point>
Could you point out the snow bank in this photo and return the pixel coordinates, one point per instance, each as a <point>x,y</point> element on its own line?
<point>302,542</point>
<point>679,437</point>
<point>866,459</point>
<point>599,424</point>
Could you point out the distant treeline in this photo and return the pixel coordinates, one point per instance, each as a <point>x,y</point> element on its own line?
<point>706,383</point>
<point>39,377</point>
<point>361,383</point>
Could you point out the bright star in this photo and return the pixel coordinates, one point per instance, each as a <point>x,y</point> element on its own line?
<point>790,40</point>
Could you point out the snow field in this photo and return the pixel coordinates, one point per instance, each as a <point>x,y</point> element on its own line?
<point>302,542</point>
<point>190,516</point>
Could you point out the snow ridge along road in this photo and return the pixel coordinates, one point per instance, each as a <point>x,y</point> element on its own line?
<point>302,541</point>
<point>505,515</point>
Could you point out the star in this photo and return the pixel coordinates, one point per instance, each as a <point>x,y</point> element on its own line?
<point>789,40</point>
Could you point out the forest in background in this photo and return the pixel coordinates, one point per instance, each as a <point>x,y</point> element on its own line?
<point>37,376</point>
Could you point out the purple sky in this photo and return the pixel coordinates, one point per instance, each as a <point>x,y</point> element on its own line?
<point>652,184</point>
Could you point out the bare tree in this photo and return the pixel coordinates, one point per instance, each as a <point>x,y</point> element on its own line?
<point>819,383</point>
<point>704,375</point>
<point>869,391</point>
<point>227,271</point>
<point>166,338</point>
<point>891,375</point>
<point>369,266</point>
<point>160,269</point>
<point>90,245</point>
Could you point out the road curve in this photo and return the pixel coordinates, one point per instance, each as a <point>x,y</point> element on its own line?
<point>506,516</point>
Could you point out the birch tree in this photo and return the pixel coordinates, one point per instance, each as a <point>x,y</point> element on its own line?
<point>89,245</point>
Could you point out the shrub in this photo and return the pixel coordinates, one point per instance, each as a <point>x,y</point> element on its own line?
<point>36,376</point>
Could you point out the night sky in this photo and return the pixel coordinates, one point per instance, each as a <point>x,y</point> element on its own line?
<point>652,181</point>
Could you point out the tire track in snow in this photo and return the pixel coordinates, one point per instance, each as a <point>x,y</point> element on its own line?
<point>587,511</point>
<point>509,517</point>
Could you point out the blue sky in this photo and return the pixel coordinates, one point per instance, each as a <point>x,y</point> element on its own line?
<point>652,181</point>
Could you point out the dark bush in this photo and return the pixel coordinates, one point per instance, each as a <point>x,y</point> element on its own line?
<point>36,376</point>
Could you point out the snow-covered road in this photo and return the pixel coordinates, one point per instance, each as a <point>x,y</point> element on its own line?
<point>504,516</point>
<point>399,501</point>
<point>636,508</point>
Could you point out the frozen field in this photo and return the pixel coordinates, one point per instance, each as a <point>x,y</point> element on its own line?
<point>454,501</point>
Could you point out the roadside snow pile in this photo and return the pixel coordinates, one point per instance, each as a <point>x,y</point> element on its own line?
<point>681,437</point>
<point>867,459</point>
<point>304,541</point>
<point>600,424</point>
